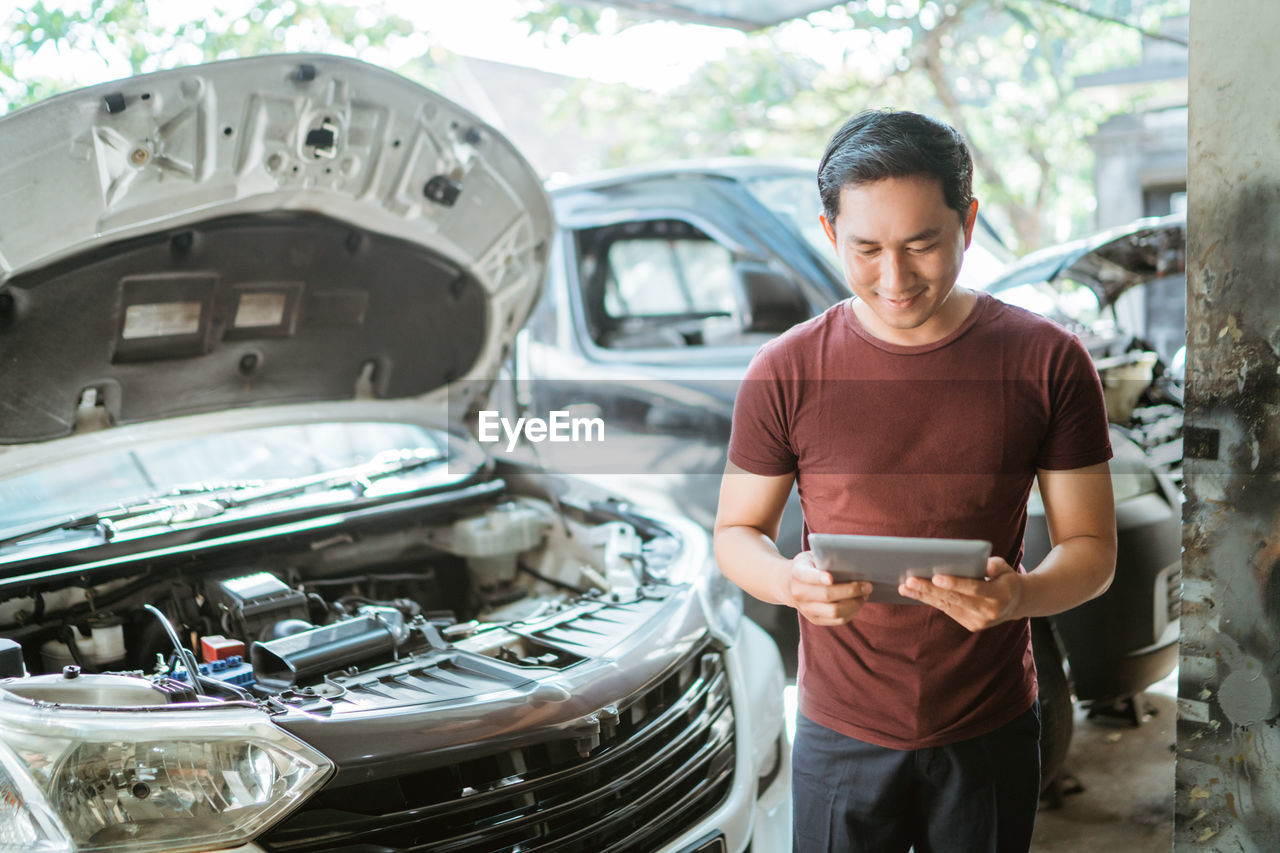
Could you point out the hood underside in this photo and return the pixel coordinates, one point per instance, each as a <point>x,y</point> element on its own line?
<point>1108,263</point>
<point>269,230</point>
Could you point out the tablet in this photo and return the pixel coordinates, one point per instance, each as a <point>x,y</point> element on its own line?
<point>886,561</point>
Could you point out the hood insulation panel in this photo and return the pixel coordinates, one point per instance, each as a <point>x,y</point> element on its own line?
<point>240,311</point>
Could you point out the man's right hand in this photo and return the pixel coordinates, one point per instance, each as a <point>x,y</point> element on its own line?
<point>816,596</point>
<point>746,527</point>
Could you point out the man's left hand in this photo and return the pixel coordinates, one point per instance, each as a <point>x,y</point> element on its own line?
<point>975,604</point>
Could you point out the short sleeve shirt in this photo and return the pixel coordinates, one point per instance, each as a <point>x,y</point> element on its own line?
<point>941,440</point>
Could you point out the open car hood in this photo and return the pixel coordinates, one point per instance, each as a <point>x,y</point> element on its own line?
<point>273,230</point>
<point>1108,263</point>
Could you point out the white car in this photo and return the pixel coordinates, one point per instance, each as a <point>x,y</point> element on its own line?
<point>260,588</point>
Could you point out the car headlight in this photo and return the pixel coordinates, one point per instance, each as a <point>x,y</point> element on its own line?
<point>160,780</point>
<point>722,601</point>
<point>1131,474</point>
<point>695,564</point>
<point>25,822</point>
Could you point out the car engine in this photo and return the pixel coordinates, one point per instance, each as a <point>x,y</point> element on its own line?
<point>310,620</point>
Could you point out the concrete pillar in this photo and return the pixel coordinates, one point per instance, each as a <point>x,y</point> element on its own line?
<point>1117,148</point>
<point>1228,752</point>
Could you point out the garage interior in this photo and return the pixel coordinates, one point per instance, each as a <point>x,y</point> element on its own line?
<point>1197,770</point>
<point>1227,791</point>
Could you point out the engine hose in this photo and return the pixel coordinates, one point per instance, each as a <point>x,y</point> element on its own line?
<point>188,659</point>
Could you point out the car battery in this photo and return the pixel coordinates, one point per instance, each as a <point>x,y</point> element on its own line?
<point>11,661</point>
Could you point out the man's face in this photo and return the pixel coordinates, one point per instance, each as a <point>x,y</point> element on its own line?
<point>900,247</point>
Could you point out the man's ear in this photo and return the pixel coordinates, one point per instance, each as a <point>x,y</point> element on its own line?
<point>829,229</point>
<point>970,219</point>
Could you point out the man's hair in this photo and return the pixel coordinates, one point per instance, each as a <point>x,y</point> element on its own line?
<point>879,144</point>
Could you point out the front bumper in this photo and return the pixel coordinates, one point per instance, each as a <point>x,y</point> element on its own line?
<point>756,814</point>
<point>709,760</point>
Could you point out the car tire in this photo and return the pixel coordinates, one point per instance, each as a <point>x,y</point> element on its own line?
<point>1057,714</point>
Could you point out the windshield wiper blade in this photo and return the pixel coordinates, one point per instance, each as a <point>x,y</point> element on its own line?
<point>107,522</point>
<point>360,477</point>
<point>188,503</point>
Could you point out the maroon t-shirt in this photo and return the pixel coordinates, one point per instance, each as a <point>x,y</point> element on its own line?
<point>941,440</point>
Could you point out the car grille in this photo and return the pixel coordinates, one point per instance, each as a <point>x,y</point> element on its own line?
<point>663,761</point>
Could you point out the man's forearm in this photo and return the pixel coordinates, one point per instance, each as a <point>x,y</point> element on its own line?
<point>1075,571</point>
<point>751,560</point>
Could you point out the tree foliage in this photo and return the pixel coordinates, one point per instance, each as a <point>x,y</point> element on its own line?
<point>564,21</point>
<point>1000,71</point>
<point>133,36</point>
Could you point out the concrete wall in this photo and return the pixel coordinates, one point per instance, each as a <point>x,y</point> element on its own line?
<point>1137,153</point>
<point>1141,156</point>
<point>1228,760</point>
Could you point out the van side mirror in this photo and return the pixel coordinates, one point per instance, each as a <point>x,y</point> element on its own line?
<point>771,302</point>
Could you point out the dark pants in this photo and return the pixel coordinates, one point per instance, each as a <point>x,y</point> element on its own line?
<point>976,796</point>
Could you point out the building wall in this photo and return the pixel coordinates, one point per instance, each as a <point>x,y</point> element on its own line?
<point>1141,160</point>
<point>1228,752</point>
<point>1141,155</point>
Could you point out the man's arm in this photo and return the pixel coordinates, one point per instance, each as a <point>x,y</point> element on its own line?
<point>747,520</point>
<point>1080,510</point>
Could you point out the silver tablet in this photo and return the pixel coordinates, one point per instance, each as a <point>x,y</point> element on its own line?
<point>886,561</point>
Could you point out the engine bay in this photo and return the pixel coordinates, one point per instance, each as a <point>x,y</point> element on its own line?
<point>307,621</point>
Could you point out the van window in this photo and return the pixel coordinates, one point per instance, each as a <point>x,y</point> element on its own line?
<point>656,284</point>
<point>651,276</point>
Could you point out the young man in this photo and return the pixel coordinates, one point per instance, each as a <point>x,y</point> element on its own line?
<point>916,409</point>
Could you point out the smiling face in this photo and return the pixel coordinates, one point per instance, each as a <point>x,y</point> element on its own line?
<point>900,247</point>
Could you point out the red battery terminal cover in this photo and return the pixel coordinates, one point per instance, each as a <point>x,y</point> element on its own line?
<point>218,647</point>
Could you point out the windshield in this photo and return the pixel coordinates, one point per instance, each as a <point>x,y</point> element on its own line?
<point>794,198</point>
<point>89,483</point>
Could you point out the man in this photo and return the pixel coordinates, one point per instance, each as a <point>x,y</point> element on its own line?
<point>916,409</point>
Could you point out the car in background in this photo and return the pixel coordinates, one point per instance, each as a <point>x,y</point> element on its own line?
<point>237,303</point>
<point>665,281</point>
<point>1123,291</point>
